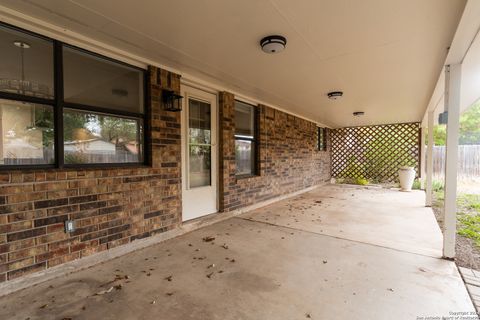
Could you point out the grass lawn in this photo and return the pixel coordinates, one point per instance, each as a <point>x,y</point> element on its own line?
<point>467,244</point>
<point>468,214</point>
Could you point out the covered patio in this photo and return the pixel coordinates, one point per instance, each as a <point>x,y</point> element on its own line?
<point>233,159</point>
<point>311,256</point>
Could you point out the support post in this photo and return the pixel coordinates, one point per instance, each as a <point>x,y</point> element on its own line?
<point>429,160</point>
<point>422,158</point>
<point>452,104</point>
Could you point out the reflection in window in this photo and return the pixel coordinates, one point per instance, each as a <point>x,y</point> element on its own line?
<point>90,82</point>
<point>322,139</point>
<point>27,133</point>
<point>26,64</point>
<point>199,122</point>
<point>96,138</point>
<point>199,166</point>
<point>199,129</point>
<point>95,81</point>
<point>245,157</point>
<point>244,120</point>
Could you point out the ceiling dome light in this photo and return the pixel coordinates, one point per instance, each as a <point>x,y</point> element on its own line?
<point>273,44</point>
<point>334,95</point>
<point>358,113</point>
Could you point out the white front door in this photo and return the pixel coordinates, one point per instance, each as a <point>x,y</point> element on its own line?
<point>199,153</point>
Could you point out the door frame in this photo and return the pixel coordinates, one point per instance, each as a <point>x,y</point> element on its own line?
<point>193,91</point>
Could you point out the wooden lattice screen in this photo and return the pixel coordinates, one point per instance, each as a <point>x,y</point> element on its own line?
<point>375,152</point>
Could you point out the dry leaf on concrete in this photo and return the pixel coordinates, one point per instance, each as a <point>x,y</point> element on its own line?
<point>208,238</point>
<point>99,293</point>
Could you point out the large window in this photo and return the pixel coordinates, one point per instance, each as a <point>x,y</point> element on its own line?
<point>63,106</point>
<point>245,139</point>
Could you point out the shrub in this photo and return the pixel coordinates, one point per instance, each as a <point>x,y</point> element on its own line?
<point>361,181</point>
<point>416,184</point>
<point>437,185</point>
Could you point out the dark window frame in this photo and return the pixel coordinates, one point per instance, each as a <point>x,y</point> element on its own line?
<point>58,104</point>
<point>256,131</point>
<point>321,139</point>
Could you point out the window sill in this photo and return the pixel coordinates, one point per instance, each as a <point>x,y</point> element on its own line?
<point>70,167</point>
<point>105,165</point>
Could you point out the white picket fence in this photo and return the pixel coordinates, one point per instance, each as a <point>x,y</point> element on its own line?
<point>468,161</point>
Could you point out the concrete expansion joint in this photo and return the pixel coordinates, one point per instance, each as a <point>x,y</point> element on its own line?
<point>336,237</point>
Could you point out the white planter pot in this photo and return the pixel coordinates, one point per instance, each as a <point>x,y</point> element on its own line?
<point>407,176</point>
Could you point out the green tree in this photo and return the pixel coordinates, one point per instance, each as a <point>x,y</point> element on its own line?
<point>439,134</point>
<point>117,130</point>
<point>470,125</point>
<point>469,128</point>
<point>73,121</point>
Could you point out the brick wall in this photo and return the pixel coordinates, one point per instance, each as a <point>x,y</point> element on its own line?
<point>288,157</point>
<point>111,207</point>
<point>114,206</point>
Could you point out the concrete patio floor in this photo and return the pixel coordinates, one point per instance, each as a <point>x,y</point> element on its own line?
<point>332,253</point>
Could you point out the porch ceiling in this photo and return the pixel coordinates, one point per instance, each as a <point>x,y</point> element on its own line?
<point>385,55</point>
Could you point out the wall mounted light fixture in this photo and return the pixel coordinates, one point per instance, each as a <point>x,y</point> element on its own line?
<point>171,101</point>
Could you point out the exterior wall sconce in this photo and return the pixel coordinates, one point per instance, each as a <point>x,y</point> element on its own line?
<point>443,117</point>
<point>171,101</point>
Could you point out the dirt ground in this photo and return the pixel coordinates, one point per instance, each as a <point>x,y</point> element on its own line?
<point>467,254</point>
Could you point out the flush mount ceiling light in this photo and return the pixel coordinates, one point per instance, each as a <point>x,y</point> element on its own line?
<point>358,113</point>
<point>273,44</point>
<point>334,95</point>
<point>21,44</point>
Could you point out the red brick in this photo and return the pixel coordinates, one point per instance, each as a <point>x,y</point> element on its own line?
<point>30,252</point>
<point>13,227</point>
<point>66,258</point>
<point>27,270</point>
<point>25,234</point>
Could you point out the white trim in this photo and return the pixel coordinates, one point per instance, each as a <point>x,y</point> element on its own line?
<point>422,158</point>
<point>429,180</point>
<point>453,76</point>
<point>198,201</point>
<point>209,87</point>
<point>467,30</point>
<point>33,279</point>
<point>26,22</point>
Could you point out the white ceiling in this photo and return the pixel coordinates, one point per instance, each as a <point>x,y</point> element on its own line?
<point>386,55</point>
